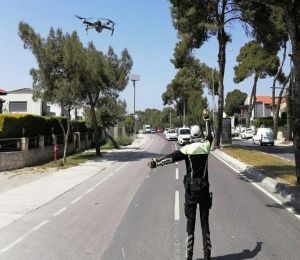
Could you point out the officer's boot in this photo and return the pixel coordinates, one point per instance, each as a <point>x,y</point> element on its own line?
<point>189,243</point>
<point>207,247</point>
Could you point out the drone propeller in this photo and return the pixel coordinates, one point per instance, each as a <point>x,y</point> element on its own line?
<point>110,21</point>
<point>83,18</point>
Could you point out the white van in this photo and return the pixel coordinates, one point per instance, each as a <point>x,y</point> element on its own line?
<point>263,136</point>
<point>184,136</point>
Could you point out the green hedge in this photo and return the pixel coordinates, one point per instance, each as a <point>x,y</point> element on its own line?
<point>268,121</point>
<point>12,125</point>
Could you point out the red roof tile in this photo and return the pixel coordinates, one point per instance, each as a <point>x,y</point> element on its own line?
<point>2,92</point>
<point>268,100</point>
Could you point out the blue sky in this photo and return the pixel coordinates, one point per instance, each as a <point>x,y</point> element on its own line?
<point>143,27</point>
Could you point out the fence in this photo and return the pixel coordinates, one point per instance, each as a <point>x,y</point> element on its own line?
<point>21,152</point>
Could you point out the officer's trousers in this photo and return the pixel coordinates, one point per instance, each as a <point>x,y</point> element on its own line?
<point>192,199</point>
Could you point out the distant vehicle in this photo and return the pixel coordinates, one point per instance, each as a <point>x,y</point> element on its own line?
<point>263,136</point>
<point>248,133</point>
<point>184,136</point>
<point>141,131</point>
<point>159,130</point>
<point>166,131</point>
<point>171,135</point>
<point>235,131</point>
<point>153,131</point>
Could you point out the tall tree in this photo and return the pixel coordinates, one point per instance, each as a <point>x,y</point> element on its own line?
<point>254,61</point>
<point>262,17</point>
<point>234,100</point>
<point>196,22</point>
<point>56,79</point>
<point>103,76</point>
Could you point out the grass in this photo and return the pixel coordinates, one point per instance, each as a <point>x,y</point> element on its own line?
<point>72,160</point>
<point>270,165</point>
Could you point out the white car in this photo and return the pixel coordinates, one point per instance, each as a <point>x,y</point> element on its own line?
<point>184,136</point>
<point>171,135</point>
<point>166,131</point>
<point>263,136</point>
<point>248,133</point>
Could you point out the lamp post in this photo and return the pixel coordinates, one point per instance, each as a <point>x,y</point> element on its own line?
<point>134,78</point>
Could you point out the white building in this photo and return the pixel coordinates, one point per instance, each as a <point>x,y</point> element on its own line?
<point>21,101</point>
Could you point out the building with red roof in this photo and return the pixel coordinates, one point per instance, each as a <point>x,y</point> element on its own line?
<point>2,93</point>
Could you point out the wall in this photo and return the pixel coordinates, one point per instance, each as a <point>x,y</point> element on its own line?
<point>20,159</point>
<point>32,106</point>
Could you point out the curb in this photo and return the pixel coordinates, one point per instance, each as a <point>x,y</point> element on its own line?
<point>288,195</point>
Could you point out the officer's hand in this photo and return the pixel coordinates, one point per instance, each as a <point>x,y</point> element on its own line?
<point>152,164</point>
<point>205,115</point>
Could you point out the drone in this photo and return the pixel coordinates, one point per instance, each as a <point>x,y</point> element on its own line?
<point>99,25</point>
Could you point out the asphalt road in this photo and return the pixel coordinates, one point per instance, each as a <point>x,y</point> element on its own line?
<point>286,152</point>
<point>130,212</point>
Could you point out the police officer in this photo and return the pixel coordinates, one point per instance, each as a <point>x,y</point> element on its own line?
<point>196,185</point>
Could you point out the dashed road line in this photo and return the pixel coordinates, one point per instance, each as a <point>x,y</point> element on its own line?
<point>77,199</point>
<point>57,213</point>
<point>177,174</point>
<point>176,207</point>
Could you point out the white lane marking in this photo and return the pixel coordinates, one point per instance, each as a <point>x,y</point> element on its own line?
<point>121,167</point>
<point>176,207</point>
<point>123,253</point>
<point>177,174</point>
<point>176,163</point>
<point>59,212</point>
<point>11,245</point>
<point>40,225</point>
<point>260,188</point>
<point>77,199</point>
<point>18,240</point>
<point>89,190</point>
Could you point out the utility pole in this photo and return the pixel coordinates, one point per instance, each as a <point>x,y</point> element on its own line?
<point>134,78</point>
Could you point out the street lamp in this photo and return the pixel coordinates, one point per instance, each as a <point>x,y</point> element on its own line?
<point>134,78</point>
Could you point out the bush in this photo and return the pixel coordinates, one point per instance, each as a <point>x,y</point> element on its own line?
<point>17,125</point>
<point>124,141</point>
<point>266,121</point>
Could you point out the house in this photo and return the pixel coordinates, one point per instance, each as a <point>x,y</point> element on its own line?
<point>21,101</point>
<point>263,107</point>
<point>2,93</point>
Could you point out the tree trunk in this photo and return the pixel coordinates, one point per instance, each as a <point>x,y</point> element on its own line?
<point>96,130</point>
<point>289,110</point>
<point>221,61</point>
<point>66,136</point>
<point>294,33</point>
<point>296,108</point>
<point>276,114</point>
<point>252,101</point>
<point>274,107</point>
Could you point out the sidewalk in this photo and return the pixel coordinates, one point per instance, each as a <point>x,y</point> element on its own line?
<point>288,196</point>
<point>18,201</point>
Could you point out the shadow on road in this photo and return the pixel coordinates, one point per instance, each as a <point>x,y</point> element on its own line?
<point>245,254</point>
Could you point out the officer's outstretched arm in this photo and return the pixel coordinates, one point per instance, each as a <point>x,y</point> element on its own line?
<point>208,136</point>
<point>167,159</point>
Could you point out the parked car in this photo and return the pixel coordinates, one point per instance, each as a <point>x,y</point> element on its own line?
<point>235,131</point>
<point>248,133</point>
<point>184,136</point>
<point>166,131</point>
<point>171,135</point>
<point>263,136</point>
<point>141,131</point>
<point>153,131</point>
<point>159,130</point>
<point>148,130</point>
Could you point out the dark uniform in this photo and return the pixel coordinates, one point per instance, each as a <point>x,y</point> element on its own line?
<point>196,190</point>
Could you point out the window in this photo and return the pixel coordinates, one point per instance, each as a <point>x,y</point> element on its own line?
<point>18,106</point>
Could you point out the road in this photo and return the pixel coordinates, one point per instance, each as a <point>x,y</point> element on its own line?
<point>286,152</point>
<point>129,212</point>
